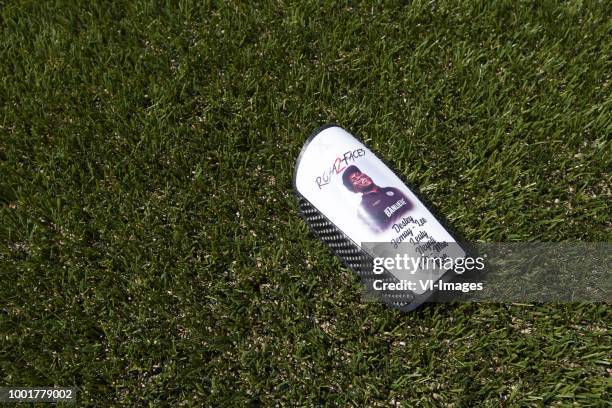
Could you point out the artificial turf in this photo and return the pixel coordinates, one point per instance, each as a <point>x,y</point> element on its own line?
<point>151,251</point>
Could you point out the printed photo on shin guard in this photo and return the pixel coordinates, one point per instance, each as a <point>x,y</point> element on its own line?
<point>379,206</point>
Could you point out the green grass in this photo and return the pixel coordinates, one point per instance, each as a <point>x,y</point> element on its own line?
<point>151,252</point>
